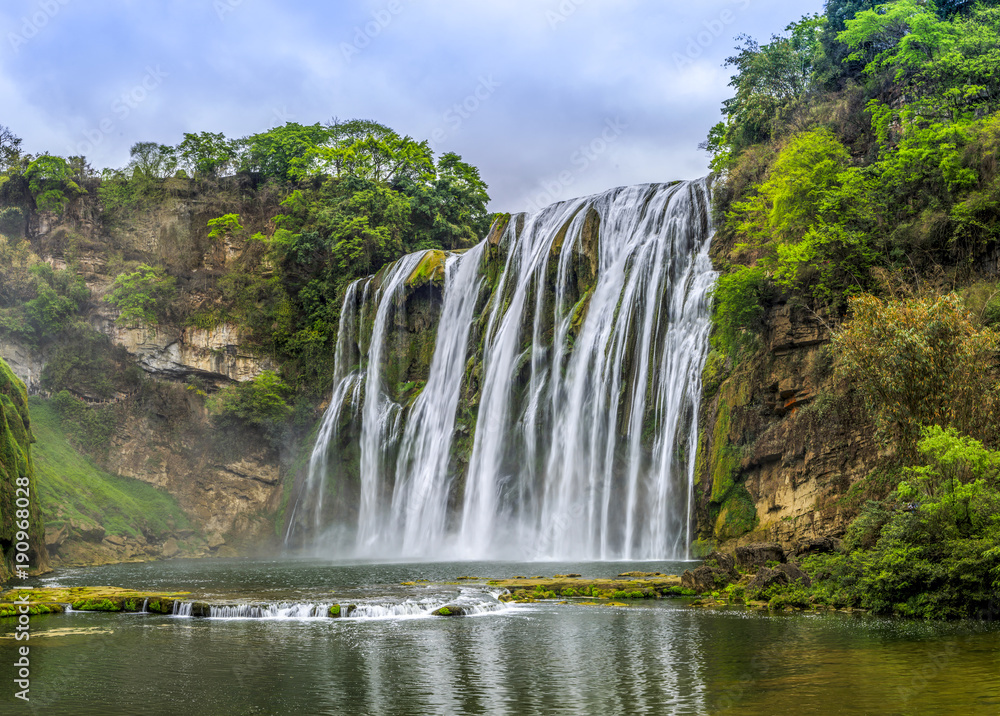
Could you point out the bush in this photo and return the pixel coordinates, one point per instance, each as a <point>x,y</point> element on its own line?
<point>739,298</point>
<point>143,296</point>
<point>921,362</point>
<point>260,403</point>
<point>931,550</point>
<point>88,428</point>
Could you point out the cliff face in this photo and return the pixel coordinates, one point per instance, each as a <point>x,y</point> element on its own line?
<point>17,479</point>
<point>227,482</point>
<point>781,441</point>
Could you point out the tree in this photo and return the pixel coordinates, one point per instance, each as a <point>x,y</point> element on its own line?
<point>152,160</point>
<point>143,296</point>
<point>921,362</point>
<point>449,212</point>
<point>10,147</point>
<point>208,154</point>
<point>289,153</point>
<point>51,183</point>
<point>767,78</point>
<point>804,171</point>
<point>368,150</point>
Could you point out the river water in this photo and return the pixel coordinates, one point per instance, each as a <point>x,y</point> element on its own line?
<point>657,657</point>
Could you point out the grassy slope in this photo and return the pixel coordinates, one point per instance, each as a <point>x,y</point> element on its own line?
<point>71,486</point>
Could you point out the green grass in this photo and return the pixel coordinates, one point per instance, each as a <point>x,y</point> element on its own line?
<point>71,486</point>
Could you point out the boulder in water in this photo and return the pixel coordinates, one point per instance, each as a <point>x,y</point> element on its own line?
<point>450,610</point>
<point>795,573</point>
<point>705,579</point>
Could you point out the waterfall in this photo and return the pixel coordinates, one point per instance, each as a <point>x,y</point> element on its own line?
<point>575,340</point>
<point>422,481</point>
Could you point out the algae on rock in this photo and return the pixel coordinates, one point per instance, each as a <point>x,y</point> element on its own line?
<point>19,507</point>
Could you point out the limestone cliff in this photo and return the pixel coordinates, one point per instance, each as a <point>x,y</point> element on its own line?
<point>229,483</point>
<point>781,442</point>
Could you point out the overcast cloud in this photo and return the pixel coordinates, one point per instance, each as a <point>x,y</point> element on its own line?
<point>549,98</point>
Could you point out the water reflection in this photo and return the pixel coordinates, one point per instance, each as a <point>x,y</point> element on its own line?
<point>546,658</point>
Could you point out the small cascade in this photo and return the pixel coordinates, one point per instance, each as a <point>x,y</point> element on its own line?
<point>269,611</point>
<point>572,346</point>
<point>145,606</point>
<point>467,604</point>
<point>183,609</point>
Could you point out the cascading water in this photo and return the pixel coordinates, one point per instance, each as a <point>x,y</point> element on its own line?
<point>576,340</point>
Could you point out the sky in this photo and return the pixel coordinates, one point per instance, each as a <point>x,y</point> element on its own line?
<point>551,99</point>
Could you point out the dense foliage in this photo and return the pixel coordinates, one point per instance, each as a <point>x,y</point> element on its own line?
<point>353,196</point>
<point>858,180</point>
<point>922,362</point>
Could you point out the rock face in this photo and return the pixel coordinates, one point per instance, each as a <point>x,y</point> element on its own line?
<point>753,556</point>
<point>19,511</point>
<point>780,442</point>
<point>225,482</point>
<point>228,483</point>
<point>171,353</point>
<point>24,363</point>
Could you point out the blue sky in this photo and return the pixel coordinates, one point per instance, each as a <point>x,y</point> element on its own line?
<point>549,98</point>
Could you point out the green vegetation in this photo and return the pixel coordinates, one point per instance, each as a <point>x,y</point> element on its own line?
<point>71,487</point>
<point>260,402</point>
<point>322,206</point>
<point>37,302</point>
<point>20,517</point>
<point>143,297</point>
<point>930,550</point>
<point>858,182</point>
<point>922,362</point>
<point>831,179</point>
<point>51,182</point>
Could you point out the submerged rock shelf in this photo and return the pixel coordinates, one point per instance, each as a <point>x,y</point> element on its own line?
<point>87,599</point>
<point>632,585</point>
<point>496,595</point>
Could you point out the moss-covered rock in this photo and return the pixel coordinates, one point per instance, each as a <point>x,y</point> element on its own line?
<point>19,503</point>
<point>87,599</point>
<point>429,270</point>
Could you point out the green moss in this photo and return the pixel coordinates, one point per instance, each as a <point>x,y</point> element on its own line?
<point>335,611</point>
<point>98,605</point>
<point>70,486</point>
<point>443,612</point>
<point>17,473</point>
<point>724,460</point>
<point>714,373</point>
<point>429,270</point>
<point>738,514</point>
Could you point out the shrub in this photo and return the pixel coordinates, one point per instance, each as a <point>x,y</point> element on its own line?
<point>143,296</point>
<point>260,403</point>
<point>739,298</point>
<point>921,362</point>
